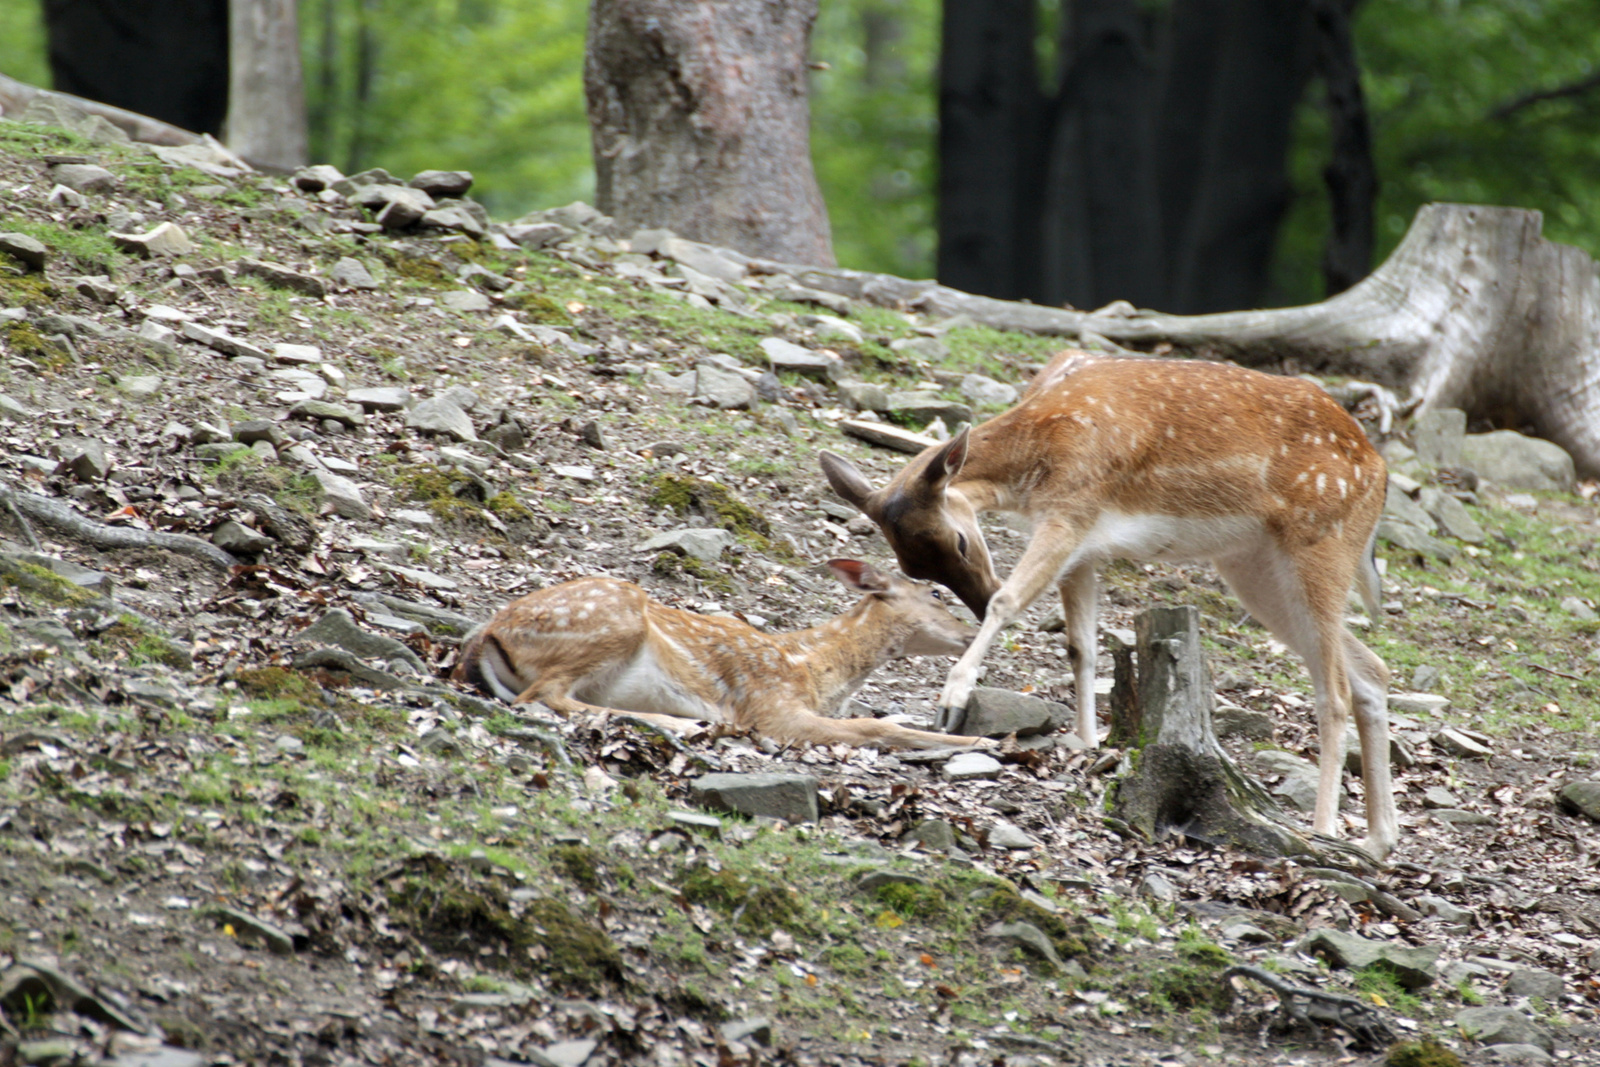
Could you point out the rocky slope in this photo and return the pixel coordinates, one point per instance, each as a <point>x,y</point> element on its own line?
<point>272,445</point>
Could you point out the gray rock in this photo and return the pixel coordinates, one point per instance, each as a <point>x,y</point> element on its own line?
<point>338,628</point>
<point>930,349</point>
<point>665,381</point>
<point>253,430</point>
<point>706,544</point>
<point>31,252</point>
<point>1417,703</point>
<point>1299,777</point>
<point>831,328</point>
<point>1438,436</point>
<point>1456,817</point>
<point>1437,796</point>
<point>925,407</point>
<point>1027,937</point>
<point>221,341</point>
<point>397,206</point>
<point>1517,1053</point>
<point>1503,1026</point>
<point>323,410</point>
<point>82,457</point>
<point>788,356</point>
<point>443,416</point>
<point>1578,609</point>
<point>380,398</point>
<point>156,333</point>
<point>981,390</point>
<point>167,239</point>
<point>235,537</point>
<point>140,386</point>
<point>1010,836</point>
<point>970,766</point>
<point>1426,678</point>
<point>746,1030</point>
<point>216,451</point>
<point>1412,539</point>
<point>454,217</point>
<point>1413,968</point>
<point>80,576</point>
<point>586,475</point>
<point>718,263</point>
<point>315,179</point>
<point>790,797</point>
<point>935,835</point>
<point>864,396</point>
<point>1443,909</point>
<point>465,300</point>
<point>723,389</point>
<point>443,182</point>
<point>1000,712</point>
<point>341,495</point>
<point>1399,507</point>
<point>276,274</point>
<point>13,408</point>
<point>351,273</point>
<point>593,434</point>
<point>1456,742</point>
<point>537,235</point>
<point>1452,516</point>
<point>1533,982</point>
<point>1512,461</point>
<point>250,929</point>
<point>1230,720</point>
<point>1580,798</point>
<point>84,177</point>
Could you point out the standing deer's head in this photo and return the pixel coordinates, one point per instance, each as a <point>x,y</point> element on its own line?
<point>931,526</point>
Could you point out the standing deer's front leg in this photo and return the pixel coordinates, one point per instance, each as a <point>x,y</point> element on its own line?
<point>1040,567</point>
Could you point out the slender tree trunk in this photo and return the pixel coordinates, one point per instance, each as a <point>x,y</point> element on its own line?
<point>167,59</point>
<point>1351,175</point>
<point>266,99</point>
<point>366,70</point>
<point>700,122</point>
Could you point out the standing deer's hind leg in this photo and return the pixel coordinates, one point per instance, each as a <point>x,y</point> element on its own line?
<point>1078,589</point>
<point>1369,687</point>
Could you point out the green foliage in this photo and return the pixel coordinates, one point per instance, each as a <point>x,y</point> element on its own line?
<point>1424,1053</point>
<point>22,46</point>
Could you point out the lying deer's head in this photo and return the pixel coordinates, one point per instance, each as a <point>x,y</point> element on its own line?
<point>914,612</point>
<point>932,529</point>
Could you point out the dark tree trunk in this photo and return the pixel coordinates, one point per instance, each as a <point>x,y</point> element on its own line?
<point>1155,171</point>
<point>1351,175</point>
<point>700,122</point>
<point>164,58</point>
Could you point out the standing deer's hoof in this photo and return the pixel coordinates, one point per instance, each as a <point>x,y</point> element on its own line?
<point>945,720</point>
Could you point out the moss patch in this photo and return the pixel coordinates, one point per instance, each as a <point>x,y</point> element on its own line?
<point>44,583</point>
<point>23,340</point>
<point>717,504</point>
<point>539,308</point>
<point>756,905</point>
<point>1424,1053</point>
<point>672,565</point>
<point>278,683</point>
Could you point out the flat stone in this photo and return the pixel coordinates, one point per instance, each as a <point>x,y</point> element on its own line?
<point>790,797</point>
<point>424,578</point>
<point>1513,461</point>
<point>82,457</point>
<point>351,273</point>
<point>1438,436</point>
<point>454,217</point>
<point>995,712</point>
<point>930,349</point>
<point>443,182</point>
<point>1025,936</point>
<point>716,262</point>
<point>465,300</point>
<point>30,251</point>
<point>1010,836</point>
<point>658,380</point>
<point>1503,1026</point>
<point>1413,539</point>
<point>13,408</point>
<point>140,386</point>
<point>981,390</point>
<point>397,206</point>
<point>339,628</point>
<point>1443,909</point>
<point>925,407</point>
<point>1437,796</point>
<point>441,415</point>
<point>832,328</point>
<point>276,274</point>
<point>316,178</point>
<point>167,239</point>
<point>1580,798</point>
<point>570,1053</point>
<point>298,354</point>
<point>340,495</point>
<point>84,177</point>
<point>253,430</point>
<point>1457,817</point>
<point>1418,704</point>
<point>1413,968</point>
<point>373,546</point>
<point>1398,506</point>
<point>235,537</point>
<point>380,398</point>
<point>1517,1053</point>
<point>864,396</point>
<point>534,236</point>
<point>1299,777</point>
<point>216,451</point>
<point>703,544</point>
<point>971,766</point>
<point>723,389</point>
<point>1578,609</point>
<point>249,929</point>
<point>1230,720</point>
<point>323,409</point>
<point>1456,743</point>
<point>221,341</point>
<point>1452,516</point>
<point>1534,982</point>
<point>887,435</point>
<point>788,356</point>
<point>758,1030</point>
<point>577,473</point>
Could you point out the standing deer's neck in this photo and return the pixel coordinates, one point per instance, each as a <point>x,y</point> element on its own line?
<point>840,653</point>
<point>992,479</point>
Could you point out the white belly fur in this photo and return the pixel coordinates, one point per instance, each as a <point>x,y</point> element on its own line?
<point>639,684</point>
<point>1118,535</point>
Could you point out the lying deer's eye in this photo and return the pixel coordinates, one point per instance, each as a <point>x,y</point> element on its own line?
<point>936,594</point>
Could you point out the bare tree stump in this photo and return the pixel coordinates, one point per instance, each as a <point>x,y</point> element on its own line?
<point>1182,781</point>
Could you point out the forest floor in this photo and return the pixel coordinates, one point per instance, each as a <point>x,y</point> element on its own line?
<point>208,856</point>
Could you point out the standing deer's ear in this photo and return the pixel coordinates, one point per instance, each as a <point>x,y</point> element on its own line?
<point>846,480</point>
<point>858,575</point>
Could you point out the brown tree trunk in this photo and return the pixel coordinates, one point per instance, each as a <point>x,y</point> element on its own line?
<point>1474,310</point>
<point>700,122</point>
<point>266,101</point>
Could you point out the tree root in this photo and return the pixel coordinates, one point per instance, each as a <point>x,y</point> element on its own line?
<point>1358,1020</point>
<point>54,513</point>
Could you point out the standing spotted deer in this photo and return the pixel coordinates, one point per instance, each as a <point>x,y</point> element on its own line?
<point>602,645</point>
<point>1266,477</point>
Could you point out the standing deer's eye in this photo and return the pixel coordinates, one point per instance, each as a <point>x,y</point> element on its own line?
<point>961,544</point>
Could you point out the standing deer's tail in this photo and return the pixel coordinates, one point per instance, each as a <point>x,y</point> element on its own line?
<point>1368,582</point>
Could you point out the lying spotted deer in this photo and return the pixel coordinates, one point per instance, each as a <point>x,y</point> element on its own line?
<point>602,645</point>
<point>1266,477</point>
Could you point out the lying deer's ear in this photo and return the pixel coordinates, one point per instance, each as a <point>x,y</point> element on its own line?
<point>858,575</point>
<point>845,479</point>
